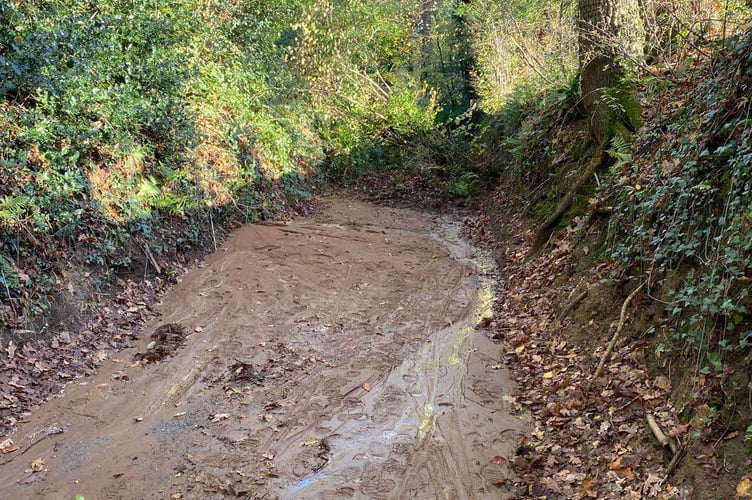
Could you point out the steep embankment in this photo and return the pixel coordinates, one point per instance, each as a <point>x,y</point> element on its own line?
<point>654,258</point>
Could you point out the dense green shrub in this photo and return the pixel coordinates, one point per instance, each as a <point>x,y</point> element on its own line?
<point>116,116</point>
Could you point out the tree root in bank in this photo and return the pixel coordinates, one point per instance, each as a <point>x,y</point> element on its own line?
<point>568,308</point>
<point>612,343</point>
<point>544,230</point>
<point>677,452</point>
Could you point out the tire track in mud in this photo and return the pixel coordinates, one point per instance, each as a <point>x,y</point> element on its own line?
<point>333,357</point>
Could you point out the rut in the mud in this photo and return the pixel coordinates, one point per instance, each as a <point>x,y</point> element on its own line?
<point>327,358</point>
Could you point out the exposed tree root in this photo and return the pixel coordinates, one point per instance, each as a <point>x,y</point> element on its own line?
<point>544,230</point>
<point>677,452</point>
<point>619,328</point>
<point>568,308</point>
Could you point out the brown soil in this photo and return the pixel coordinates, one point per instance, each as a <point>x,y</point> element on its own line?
<point>333,357</point>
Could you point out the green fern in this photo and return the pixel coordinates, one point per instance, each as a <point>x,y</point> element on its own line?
<point>12,210</point>
<point>620,151</point>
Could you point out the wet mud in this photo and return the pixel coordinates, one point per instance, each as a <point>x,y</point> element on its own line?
<point>341,356</point>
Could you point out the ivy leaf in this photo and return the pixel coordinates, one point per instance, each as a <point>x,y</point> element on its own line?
<point>714,359</point>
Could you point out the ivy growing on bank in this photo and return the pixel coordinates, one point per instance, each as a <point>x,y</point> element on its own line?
<point>687,213</point>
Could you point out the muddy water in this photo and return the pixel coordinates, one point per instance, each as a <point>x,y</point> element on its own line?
<point>333,357</point>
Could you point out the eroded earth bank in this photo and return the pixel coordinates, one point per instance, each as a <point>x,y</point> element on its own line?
<point>337,356</point>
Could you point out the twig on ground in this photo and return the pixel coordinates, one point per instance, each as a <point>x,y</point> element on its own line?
<point>214,234</point>
<point>545,230</point>
<point>151,258</point>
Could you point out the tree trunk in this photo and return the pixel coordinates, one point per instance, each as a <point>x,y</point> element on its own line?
<point>610,39</point>
<point>425,25</point>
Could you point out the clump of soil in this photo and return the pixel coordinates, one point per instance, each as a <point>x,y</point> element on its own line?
<point>167,339</point>
<point>245,372</point>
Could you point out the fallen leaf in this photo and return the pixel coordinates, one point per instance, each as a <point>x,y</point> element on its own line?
<point>10,449</point>
<point>179,414</point>
<point>744,487</point>
<point>548,375</point>
<point>678,430</point>
<point>37,465</point>
<point>662,382</point>
<point>30,478</point>
<point>653,485</point>
<point>366,386</point>
<point>586,488</point>
<point>176,496</point>
<point>499,460</point>
<point>11,349</point>
<point>6,444</point>
<point>268,456</point>
<point>219,417</point>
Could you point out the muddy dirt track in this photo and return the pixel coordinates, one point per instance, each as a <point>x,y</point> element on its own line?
<point>333,357</point>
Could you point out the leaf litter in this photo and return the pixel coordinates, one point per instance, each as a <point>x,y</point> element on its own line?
<point>36,370</point>
<point>584,444</point>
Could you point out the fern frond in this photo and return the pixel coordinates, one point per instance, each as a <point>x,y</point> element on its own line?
<point>12,209</point>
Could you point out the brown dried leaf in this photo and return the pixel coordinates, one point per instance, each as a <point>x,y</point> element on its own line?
<point>662,382</point>
<point>37,465</point>
<point>744,487</point>
<point>11,449</point>
<point>678,430</point>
